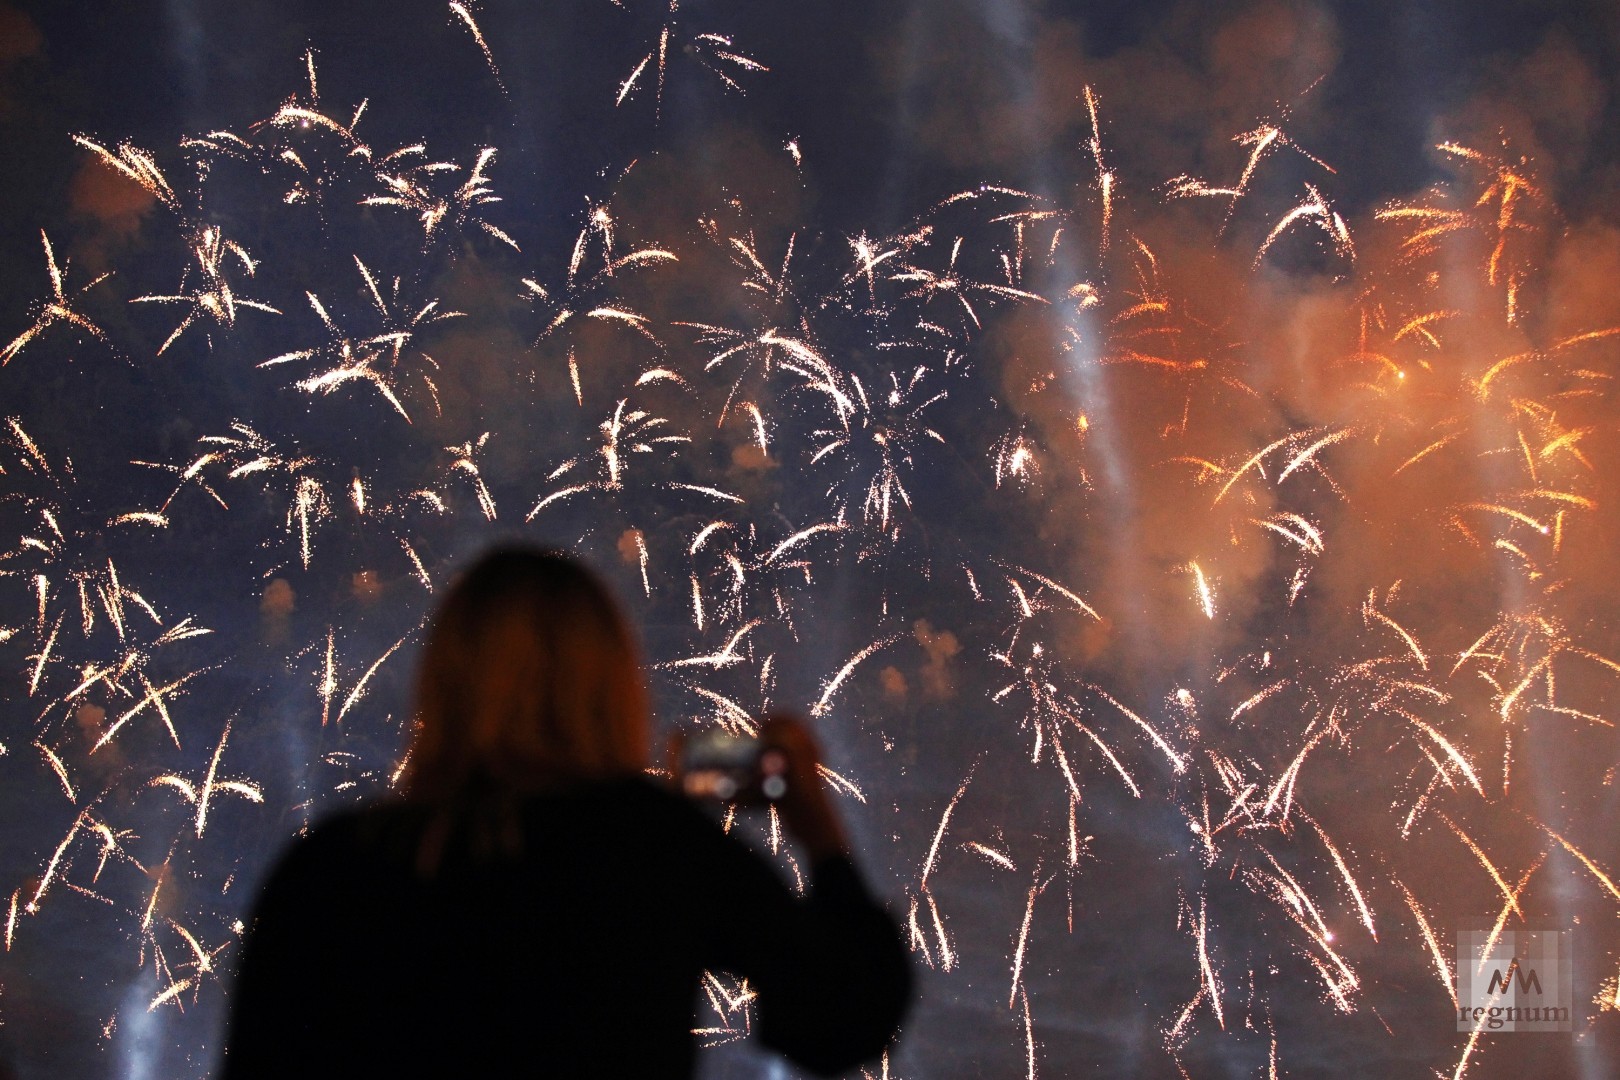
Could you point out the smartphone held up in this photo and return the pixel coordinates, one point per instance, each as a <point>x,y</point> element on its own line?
<point>732,768</point>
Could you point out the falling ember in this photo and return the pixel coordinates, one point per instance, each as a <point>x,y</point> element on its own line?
<point>1023,944</point>
<point>1015,460</point>
<point>1029,1037</point>
<point>939,833</point>
<point>947,956</point>
<point>1349,879</point>
<point>359,689</point>
<point>1206,597</point>
<point>465,16</point>
<point>56,310</point>
<point>328,684</point>
<point>1212,985</point>
<point>831,686</point>
<point>1442,963</point>
<point>171,993</point>
<point>641,557</point>
<point>991,855</point>
<point>201,795</point>
<point>1105,178</point>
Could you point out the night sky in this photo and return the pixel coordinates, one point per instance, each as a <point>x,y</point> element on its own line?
<point>1167,448</point>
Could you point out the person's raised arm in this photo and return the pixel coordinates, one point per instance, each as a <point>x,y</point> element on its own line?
<point>805,809</point>
<point>831,969</point>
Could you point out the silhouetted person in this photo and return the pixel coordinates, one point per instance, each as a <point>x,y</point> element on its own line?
<point>534,905</point>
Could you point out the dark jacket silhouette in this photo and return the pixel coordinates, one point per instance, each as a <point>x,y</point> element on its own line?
<point>531,905</point>
<point>577,953</point>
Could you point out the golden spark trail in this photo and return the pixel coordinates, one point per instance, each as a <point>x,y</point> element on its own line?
<point>60,770</point>
<point>997,858</point>
<point>1249,464</point>
<point>1206,598</point>
<point>841,783</point>
<point>56,310</point>
<point>1344,872</point>
<point>1441,966</point>
<point>170,994</point>
<point>1308,455</point>
<point>1260,696</point>
<point>1023,942</point>
<point>1105,178</point>
<point>1596,871</point>
<point>201,795</point>
<point>726,657</point>
<point>465,16</point>
<point>360,687</point>
<point>56,860</point>
<point>939,833</point>
<point>1177,762</point>
<point>1067,594</point>
<point>1212,986</point>
<point>1490,867</point>
<point>947,956</point>
<point>831,686</point>
<point>156,697</point>
<point>1029,1038</point>
<point>1370,613</point>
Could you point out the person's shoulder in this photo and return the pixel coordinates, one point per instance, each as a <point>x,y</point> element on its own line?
<point>345,840</point>
<point>652,810</point>
<point>647,796</point>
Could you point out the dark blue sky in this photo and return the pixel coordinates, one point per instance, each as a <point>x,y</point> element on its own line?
<point>853,82</point>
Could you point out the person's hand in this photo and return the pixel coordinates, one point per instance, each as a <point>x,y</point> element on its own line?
<point>805,809</point>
